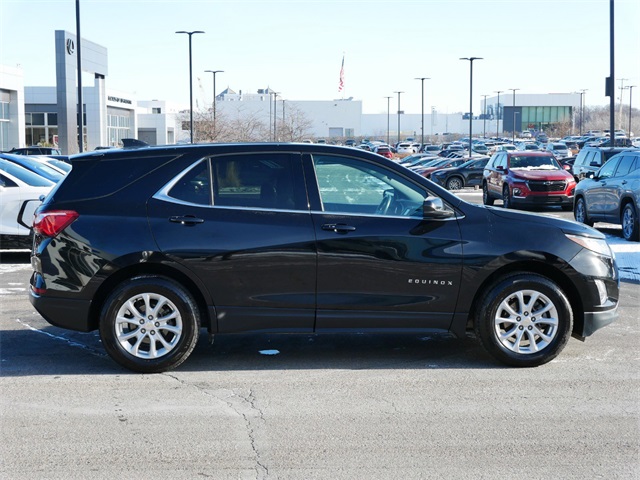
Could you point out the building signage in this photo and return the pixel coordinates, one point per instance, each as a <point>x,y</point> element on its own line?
<point>71,46</point>
<point>119,100</point>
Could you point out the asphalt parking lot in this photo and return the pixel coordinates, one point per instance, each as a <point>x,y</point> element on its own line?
<point>304,406</point>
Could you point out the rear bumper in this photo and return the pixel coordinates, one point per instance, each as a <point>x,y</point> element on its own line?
<point>72,314</point>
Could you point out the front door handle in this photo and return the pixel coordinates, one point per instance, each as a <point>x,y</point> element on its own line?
<point>338,227</point>
<point>189,220</point>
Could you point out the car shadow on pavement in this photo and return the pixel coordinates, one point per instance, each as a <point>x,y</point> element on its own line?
<point>50,351</point>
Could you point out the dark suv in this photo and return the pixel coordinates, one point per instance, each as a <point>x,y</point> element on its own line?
<point>527,178</point>
<point>35,150</point>
<point>150,244</point>
<point>590,159</point>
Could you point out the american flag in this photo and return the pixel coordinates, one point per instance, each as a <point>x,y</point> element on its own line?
<point>341,83</point>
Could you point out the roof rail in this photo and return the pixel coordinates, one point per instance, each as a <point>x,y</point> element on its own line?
<point>133,143</point>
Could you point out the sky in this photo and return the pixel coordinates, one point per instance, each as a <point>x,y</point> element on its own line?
<point>296,47</point>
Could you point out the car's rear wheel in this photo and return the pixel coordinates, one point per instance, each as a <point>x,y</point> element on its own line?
<point>580,212</point>
<point>150,324</point>
<point>629,221</point>
<point>487,199</point>
<point>525,320</point>
<point>454,183</point>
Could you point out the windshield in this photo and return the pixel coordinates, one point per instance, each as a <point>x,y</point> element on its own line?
<point>25,175</point>
<point>533,163</point>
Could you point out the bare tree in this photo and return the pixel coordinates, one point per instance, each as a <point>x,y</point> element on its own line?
<point>295,127</point>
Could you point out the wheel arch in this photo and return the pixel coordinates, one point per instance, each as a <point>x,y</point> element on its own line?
<point>156,269</point>
<point>624,201</point>
<point>524,267</point>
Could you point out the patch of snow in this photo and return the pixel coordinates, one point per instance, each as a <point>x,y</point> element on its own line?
<point>269,352</point>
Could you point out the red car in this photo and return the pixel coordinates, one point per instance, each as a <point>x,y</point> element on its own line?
<point>527,178</point>
<point>448,163</point>
<point>383,150</point>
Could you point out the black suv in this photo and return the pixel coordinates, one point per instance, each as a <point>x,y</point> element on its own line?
<point>590,159</point>
<point>35,150</point>
<point>150,244</point>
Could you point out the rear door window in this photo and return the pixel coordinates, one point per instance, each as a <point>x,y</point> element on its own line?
<point>624,166</point>
<point>608,169</point>
<point>256,181</point>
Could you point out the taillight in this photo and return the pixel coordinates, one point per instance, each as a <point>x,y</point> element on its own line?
<point>52,223</point>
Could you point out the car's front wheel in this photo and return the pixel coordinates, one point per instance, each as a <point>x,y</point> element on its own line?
<point>506,197</point>
<point>150,324</point>
<point>629,221</point>
<point>487,199</point>
<point>525,320</point>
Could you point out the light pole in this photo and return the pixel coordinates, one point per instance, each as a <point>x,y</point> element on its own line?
<point>498,114</point>
<point>422,79</point>
<point>388,117</point>
<point>513,136</point>
<point>582,93</point>
<point>275,115</point>
<point>283,124</point>
<point>214,90</point>
<point>79,72</point>
<point>631,87</point>
<point>471,59</point>
<point>190,81</point>
<point>484,117</point>
<point>399,111</point>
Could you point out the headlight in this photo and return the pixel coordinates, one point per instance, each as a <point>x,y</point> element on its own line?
<point>597,245</point>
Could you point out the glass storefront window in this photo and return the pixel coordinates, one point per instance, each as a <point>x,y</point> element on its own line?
<point>4,111</point>
<point>37,119</point>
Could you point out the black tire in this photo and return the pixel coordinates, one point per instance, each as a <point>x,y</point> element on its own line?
<point>508,328</point>
<point>629,222</point>
<point>580,212</point>
<point>506,197</point>
<point>487,199</point>
<point>152,341</point>
<point>455,183</point>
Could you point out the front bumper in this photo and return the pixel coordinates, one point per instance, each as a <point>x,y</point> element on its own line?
<point>596,320</point>
<point>543,200</point>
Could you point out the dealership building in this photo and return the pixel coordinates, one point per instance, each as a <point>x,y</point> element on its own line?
<point>31,115</point>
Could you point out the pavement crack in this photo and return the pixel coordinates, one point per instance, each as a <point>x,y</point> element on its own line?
<point>245,406</point>
<point>252,417</point>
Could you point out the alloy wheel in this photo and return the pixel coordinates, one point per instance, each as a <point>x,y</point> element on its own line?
<point>526,322</point>
<point>148,326</point>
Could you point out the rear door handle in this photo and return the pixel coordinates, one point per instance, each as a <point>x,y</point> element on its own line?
<point>338,227</point>
<point>186,220</point>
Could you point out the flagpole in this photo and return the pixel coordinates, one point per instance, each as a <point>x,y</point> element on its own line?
<point>341,81</point>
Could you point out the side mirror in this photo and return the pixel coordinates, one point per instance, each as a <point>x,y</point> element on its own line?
<point>500,168</point>
<point>434,208</point>
<point>567,167</point>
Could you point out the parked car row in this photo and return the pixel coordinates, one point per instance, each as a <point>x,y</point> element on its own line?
<point>23,180</point>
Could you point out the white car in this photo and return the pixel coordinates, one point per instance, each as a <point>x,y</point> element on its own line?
<point>559,150</point>
<point>20,192</point>
<point>405,147</point>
